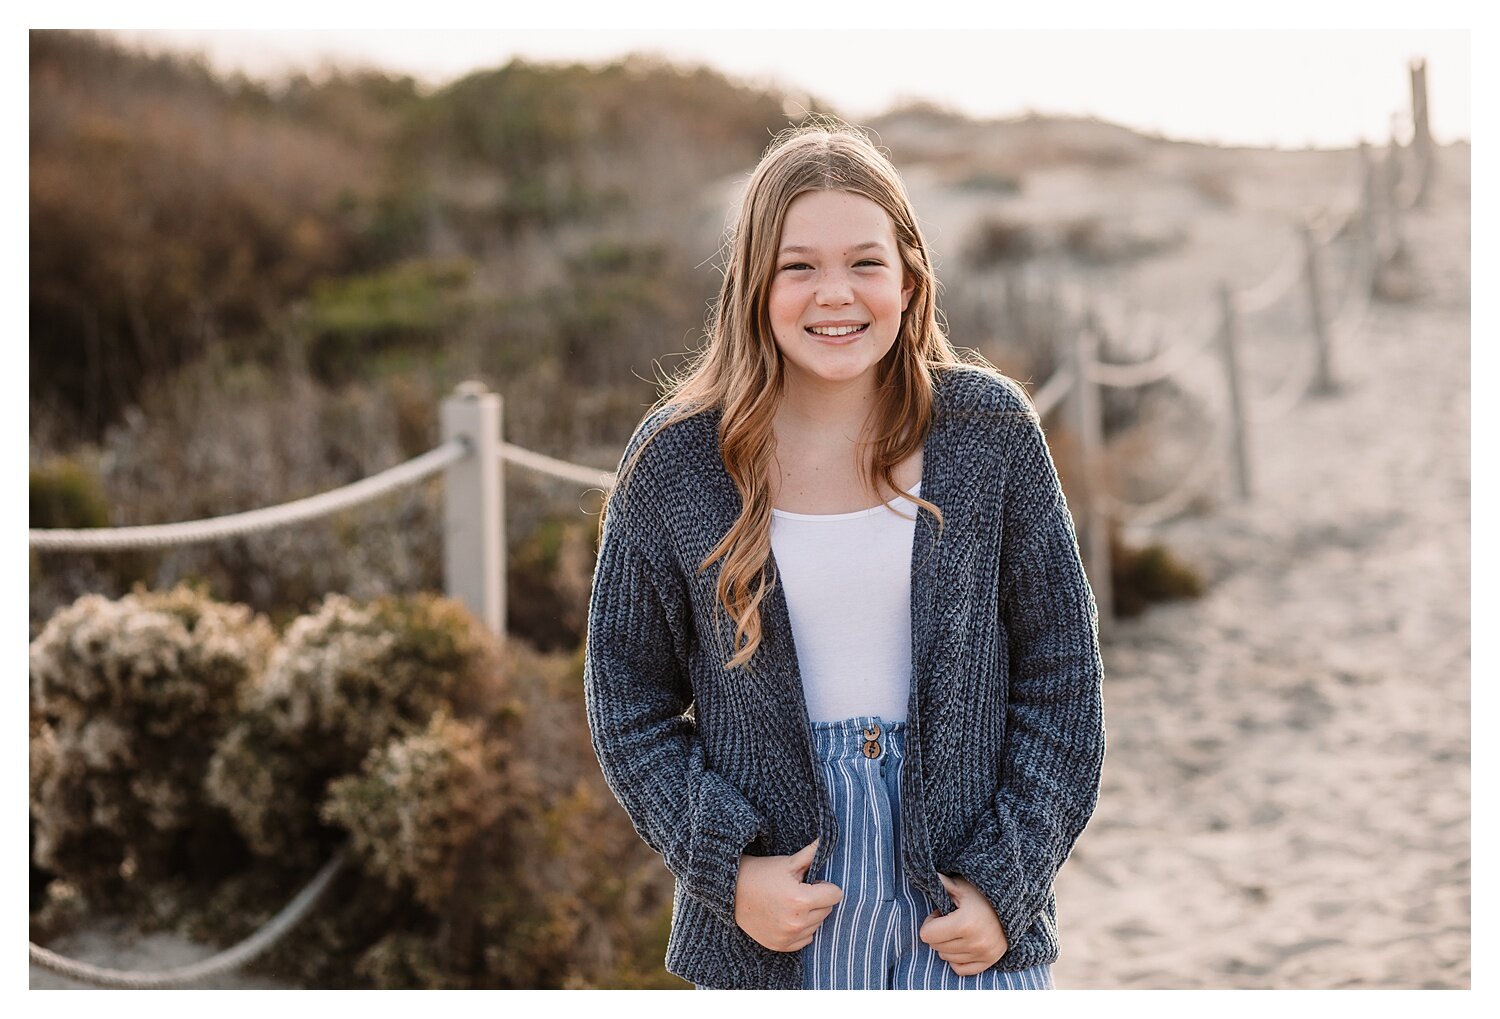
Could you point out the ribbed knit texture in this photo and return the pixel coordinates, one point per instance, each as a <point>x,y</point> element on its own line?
<point>1006,730</point>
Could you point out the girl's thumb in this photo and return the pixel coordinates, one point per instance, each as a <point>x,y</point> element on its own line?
<point>803,858</point>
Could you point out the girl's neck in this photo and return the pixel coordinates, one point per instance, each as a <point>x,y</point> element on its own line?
<point>816,407</point>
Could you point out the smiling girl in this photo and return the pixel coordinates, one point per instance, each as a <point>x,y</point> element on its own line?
<point>842,667</point>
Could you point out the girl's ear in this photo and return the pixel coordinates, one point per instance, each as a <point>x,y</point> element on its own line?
<point>907,290</point>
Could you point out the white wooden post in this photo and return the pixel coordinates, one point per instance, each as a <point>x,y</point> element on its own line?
<point>1317,311</point>
<point>474,506</point>
<point>1089,423</point>
<point>1229,330</point>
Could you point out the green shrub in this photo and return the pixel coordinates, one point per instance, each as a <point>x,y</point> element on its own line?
<point>353,318</point>
<point>65,492</point>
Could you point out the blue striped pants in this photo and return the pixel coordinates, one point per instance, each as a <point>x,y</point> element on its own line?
<point>870,939</point>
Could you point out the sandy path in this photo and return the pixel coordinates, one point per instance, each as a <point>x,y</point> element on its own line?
<point>1286,791</point>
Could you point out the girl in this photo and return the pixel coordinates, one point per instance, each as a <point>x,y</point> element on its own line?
<point>842,666</point>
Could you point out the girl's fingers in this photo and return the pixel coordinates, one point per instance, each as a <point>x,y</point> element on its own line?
<point>813,922</point>
<point>937,934</point>
<point>959,958</point>
<point>824,893</point>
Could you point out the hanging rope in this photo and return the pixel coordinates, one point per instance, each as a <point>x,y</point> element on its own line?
<point>1289,392</point>
<point>544,464</point>
<point>238,524</point>
<point>1274,285</point>
<point>223,962</point>
<point>1163,365</point>
<point>1184,490</point>
<point>1050,395</point>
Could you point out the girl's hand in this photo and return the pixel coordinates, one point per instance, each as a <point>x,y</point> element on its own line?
<point>774,906</point>
<point>970,939</point>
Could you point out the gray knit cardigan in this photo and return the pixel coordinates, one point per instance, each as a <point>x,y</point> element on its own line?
<point>1006,727</point>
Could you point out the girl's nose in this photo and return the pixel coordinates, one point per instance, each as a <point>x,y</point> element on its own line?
<point>833,289</point>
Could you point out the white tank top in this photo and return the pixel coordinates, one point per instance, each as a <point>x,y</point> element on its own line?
<point>847,582</point>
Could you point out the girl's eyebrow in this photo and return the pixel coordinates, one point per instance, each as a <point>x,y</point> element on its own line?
<point>800,250</point>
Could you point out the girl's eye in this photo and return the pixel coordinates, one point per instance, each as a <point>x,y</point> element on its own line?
<point>796,266</point>
<point>869,261</point>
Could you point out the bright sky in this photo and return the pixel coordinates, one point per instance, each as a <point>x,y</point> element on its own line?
<point>1241,87</point>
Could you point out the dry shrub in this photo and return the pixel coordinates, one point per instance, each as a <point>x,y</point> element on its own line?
<point>1142,575</point>
<point>410,687</point>
<point>133,696</point>
<point>417,802</point>
<point>548,583</point>
<point>406,961</point>
<point>168,210</point>
<point>491,854</point>
<point>69,492</point>
<point>1395,277</point>
<point>1215,184</point>
<point>344,681</point>
<point>1096,240</point>
<point>221,438</point>
<point>996,240</point>
<point>583,902</point>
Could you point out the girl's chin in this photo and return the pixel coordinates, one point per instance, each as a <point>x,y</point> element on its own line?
<point>834,374</point>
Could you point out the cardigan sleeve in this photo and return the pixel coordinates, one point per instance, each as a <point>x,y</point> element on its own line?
<point>637,696</point>
<point>1054,735</point>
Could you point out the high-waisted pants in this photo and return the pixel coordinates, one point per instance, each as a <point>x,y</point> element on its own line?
<point>870,939</point>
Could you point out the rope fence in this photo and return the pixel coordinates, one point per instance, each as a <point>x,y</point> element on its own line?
<point>1372,201</point>
<point>473,450</point>
<point>216,965</point>
<point>109,539</point>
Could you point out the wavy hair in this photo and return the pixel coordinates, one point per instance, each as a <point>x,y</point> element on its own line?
<point>739,371</point>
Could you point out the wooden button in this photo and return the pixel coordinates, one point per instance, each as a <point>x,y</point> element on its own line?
<point>873,732</point>
<point>872,749</point>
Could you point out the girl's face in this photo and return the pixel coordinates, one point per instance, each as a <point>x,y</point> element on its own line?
<point>838,290</point>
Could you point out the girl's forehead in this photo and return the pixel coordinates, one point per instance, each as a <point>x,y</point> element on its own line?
<point>835,218</point>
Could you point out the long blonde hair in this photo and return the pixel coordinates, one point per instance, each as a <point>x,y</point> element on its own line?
<point>740,372</point>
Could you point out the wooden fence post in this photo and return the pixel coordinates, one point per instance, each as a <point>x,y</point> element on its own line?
<point>1089,423</point>
<point>1369,206</point>
<point>1368,251</point>
<point>1421,129</point>
<point>1389,186</point>
<point>474,506</point>
<point>1229,330</point>
<point>1317,311</point>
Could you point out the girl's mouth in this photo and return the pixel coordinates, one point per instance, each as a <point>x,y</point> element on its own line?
<point>837,334</point>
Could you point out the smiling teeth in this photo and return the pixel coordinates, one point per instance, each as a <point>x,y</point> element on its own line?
<point>834,330</point>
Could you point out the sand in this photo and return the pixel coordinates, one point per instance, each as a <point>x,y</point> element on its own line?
<point>1286,795</point>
